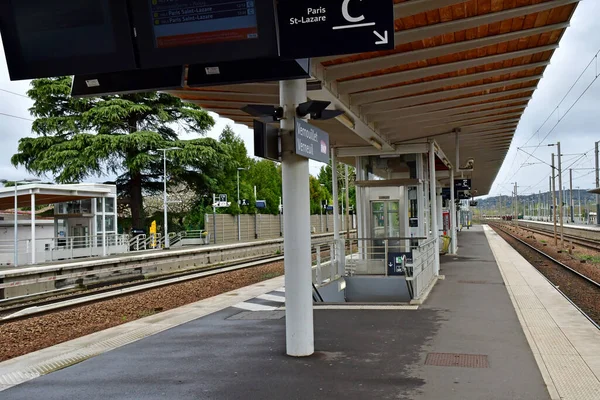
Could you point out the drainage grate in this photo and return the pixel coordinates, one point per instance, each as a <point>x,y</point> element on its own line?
<point>479,282</point>
<point>258,315</point>
<point>457,360</point>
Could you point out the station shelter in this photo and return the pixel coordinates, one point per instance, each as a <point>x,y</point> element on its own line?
<point>84,223</point>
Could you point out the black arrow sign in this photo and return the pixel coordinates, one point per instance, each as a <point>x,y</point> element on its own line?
<point>318,28</point>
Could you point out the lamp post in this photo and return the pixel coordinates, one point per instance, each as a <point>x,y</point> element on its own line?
<point>167,244</point>
<point>238,200</point>
<point>16,225</point>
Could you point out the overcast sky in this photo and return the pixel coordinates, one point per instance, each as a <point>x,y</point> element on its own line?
<point>577,130</point>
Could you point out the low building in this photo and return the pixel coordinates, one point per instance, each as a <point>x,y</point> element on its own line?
<point>84,223</point>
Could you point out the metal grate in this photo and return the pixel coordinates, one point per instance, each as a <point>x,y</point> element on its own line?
<point>479,282</point>
<point>457,360</point>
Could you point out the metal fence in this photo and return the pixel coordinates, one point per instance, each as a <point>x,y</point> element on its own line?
<point>62,248</point>
<point>421,272</point>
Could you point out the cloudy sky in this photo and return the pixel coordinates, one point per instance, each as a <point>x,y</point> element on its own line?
<point>577,130</point>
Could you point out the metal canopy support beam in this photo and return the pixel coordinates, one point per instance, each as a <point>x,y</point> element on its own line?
<point>411,35</point>
<point>477,114</point>
<point>433,205</point>
<point>467,120</point>
<point>234,96</point>
<point>405,90</point>
<point>368,83</point>
<point>336,214</point>
<point>104,253</point>
<point>33,247</point>
<point>460,110</point>
<point>422,108</point>
<point>449,127</point>
<point>297,247</point>
<point>338,71</point>
<point>371,151</point>
<point>418,6</point>
<point>361,129</point>
<point>427,98</point>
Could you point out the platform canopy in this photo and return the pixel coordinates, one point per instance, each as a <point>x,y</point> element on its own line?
<point>460,66</point>
<point>50,194</point>
<point>595,191</point>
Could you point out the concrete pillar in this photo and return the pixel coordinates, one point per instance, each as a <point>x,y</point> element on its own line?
<point>297,257</point>
<point>433,203</point>
<point>33,247</point>
<point>453,230</point>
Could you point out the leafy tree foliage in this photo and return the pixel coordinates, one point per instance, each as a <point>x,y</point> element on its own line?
<point>122,135</point>
<point>325,178</point>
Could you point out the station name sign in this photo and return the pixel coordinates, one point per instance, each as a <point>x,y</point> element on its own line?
<point>318,28</point>
<point>310,141</point>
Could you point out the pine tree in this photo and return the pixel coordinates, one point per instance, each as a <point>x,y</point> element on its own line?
<point>118,135</point>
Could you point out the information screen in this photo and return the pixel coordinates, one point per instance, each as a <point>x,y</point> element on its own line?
<point>179,23</point>
<point>68,27</point>
<point>49,38</point>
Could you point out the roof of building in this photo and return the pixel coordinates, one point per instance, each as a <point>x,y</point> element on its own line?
<point>49,193</point>
<point>461,65</point>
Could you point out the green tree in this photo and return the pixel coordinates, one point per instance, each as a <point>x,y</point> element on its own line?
<point>318,194</point>
<point>266,176</point>
<point>325,178</point>
<point>118,135</point>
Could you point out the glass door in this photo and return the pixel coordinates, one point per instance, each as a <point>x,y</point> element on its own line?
<point>385,222</point>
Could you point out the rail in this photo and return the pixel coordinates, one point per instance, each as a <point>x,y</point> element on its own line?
<point>62,248</point>
<point>373,256</point>
<point>421,272</point>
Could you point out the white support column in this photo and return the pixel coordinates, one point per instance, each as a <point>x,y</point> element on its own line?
<point>103,226</point>
<point>433,204</point>
<point>33,228</point>
<point>296,244</point>
<point>336,214</point>
<point>453,231</point>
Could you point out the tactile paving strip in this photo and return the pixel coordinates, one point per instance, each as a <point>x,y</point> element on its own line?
<point>258,315</point>
<point>457,360</point>
<point>76,356</point>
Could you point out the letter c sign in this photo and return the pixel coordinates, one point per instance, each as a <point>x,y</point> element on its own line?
<point>347,15</point>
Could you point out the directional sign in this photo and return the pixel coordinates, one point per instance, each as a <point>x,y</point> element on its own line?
<point>462,184</point>
<point>317,28</point>
<point>311,142</point>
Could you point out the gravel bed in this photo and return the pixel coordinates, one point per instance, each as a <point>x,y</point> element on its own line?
<point>584,294</point>
<point>21,337</point>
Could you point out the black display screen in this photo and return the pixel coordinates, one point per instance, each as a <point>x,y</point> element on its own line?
<point>173,32</point>
<point>193,22</point>
<point>48,38</point>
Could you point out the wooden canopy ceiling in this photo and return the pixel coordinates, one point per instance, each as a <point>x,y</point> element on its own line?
<point>460,65</point>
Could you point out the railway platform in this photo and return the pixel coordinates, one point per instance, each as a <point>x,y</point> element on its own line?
<point>56,276</point>
<point>494,328</point>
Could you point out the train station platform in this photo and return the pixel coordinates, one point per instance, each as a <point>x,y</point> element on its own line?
<point>494,328</point>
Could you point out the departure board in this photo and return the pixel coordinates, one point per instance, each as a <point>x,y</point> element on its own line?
<point>179,23</point>
<point>66,37</point>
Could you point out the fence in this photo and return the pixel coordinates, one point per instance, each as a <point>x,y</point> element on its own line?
<point>62,248</point>
<point>421,272</point>
<point>224,227</point>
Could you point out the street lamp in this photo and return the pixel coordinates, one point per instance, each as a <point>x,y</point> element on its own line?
<point>16,250</point>
<point>238,200</point>
<point>167,244</point>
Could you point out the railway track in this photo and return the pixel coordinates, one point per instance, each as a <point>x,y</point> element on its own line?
<point>587,282</point>
<point>27,310</point>
<point>587,243</point>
